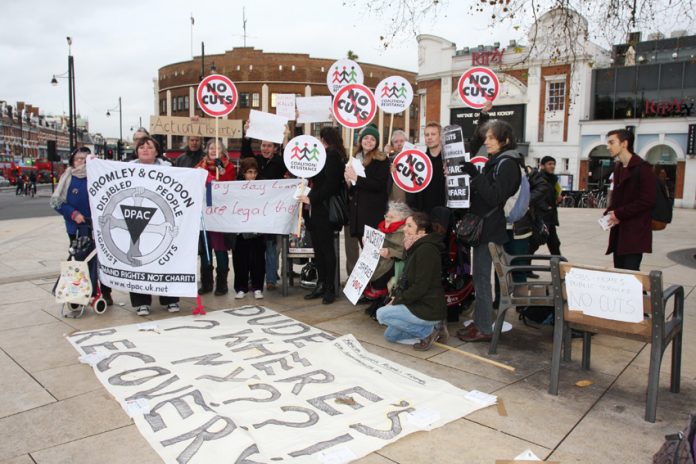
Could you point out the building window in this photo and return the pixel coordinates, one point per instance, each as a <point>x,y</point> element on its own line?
<point>163,106</point>
<point>255,100</point>
<point>565,162</point>
<point>244,100</point>
<point>322,69</point>
<point>555,96</point>
<point>186,102</point>
<point>251,67</point>
<point>280,67</point>
<point>293,67</point>
<point>273,100</point>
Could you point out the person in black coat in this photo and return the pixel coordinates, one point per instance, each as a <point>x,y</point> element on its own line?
<point>323,186</point>
<point>193,154</point>
<point>369,194</point>
<point>435,194</point>
<point>490,190</point>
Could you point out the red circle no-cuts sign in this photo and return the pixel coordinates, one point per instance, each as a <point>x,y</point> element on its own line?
<point>477,86</point>
<point>479,162</point>
<point>217,95</point>
<point>354,106</point>
<point>413,171</point>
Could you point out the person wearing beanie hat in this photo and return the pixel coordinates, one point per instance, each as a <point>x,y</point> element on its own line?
<point>367,195</point>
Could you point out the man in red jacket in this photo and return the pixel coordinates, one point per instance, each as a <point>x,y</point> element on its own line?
<point>632,201</point>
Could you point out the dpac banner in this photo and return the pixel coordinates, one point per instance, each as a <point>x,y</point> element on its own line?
<point>146,220</point>
<point>261,206</point>
<point>366,265</point>
<point>454,154</point>
<point>250,385</point>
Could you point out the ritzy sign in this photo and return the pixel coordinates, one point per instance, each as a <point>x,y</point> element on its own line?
<point>668,108</point>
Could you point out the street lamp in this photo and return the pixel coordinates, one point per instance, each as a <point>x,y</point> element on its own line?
<point>120,125</point>
<point>70,75</point>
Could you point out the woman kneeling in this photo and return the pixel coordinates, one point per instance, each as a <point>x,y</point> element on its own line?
<point>417,309</point>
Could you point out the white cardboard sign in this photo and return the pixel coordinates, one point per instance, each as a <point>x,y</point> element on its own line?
<point>285,105</point>
<point>266,126</point>
<point>313,109</point>
<point>304,156</point>
<point>366,265</point>
<point>608,295</point>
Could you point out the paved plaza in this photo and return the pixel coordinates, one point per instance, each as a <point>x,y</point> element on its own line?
<point>53,409</point>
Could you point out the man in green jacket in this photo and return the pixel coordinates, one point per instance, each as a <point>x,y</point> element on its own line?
<point>417,309</point>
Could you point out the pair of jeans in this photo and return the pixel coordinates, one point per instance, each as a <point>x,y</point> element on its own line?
<point>271,259</point>
<point>402,324</point>
<point>483,314</point>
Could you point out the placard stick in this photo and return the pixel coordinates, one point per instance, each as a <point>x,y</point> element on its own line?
<point>299,214</point>
<point>476,357</point>
<point>217,148</point>
<point>389,134</point>
<point>350,147</point>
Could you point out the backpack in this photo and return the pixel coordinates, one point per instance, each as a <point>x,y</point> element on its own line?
<point>517,205</point>
<point>679,447</point>
<point>662,211</point>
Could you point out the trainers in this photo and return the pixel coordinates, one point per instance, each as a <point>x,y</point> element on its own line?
<point>258,294</point>
<point>143,310</point>
<point>240,295</point>
<point>270,286</point>
<point>173,308</point>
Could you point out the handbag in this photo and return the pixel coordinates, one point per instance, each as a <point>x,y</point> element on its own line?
<point>469,228</point>
<point>337,205</point>
<point>679,447</point>
<point>75,284</point>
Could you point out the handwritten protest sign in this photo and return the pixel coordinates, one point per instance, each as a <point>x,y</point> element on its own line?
<point>145,219</point>
<point>199,127</point>
<point>313,109</point>
<point>304,156</point>
<point>285,105</point>
<point>260,206</point>
<point>454,154</point>
<point>252,385</point>
<point>413,170</point>
<point>394,94</point>
<point>477,86</point>
<point>266,126</point>
<point>342,73</point>
<point>608,295</point>
<point>366,265</point>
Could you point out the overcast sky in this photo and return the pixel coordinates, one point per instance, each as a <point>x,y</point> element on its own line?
<point>119,45</point>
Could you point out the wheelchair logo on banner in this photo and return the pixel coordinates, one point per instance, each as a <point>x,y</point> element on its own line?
<point>132,213</point>
<point>413,170</point>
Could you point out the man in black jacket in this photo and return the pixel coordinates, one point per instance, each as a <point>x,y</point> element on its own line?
<point>549,214</point>
<point>193,154</point>
<point>435,193</point>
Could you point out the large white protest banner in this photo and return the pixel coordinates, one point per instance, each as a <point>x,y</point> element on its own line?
<point>266,126</point>
<point>251,385</point>
<point>146,220</point>
<point>261,206</point>
<point>366,265</point>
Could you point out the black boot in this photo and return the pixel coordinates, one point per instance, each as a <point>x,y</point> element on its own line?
<point>206,280</point>
<point>329,295</point>
<point>316,293</point>
<point>221,283</point>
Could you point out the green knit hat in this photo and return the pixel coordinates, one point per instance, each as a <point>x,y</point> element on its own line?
<point>370,129</point>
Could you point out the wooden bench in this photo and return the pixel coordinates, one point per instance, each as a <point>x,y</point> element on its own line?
<point>655,328</point>
<point>513,294</point>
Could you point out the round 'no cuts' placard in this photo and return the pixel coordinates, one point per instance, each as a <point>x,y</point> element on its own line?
<point>304,156</point>
<point>217,95</point>
<point>394,94</point>
<point>354,106</point>
<point>413,170</point>
<point>477,86</point>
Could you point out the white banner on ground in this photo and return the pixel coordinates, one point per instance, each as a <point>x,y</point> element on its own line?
<point>146,220</point>
<point>251,385</point>
<point>366,265</point>
<point>285,105</point>
<point>266,126</point>
<point>313,109</point>
<point>261,206</point>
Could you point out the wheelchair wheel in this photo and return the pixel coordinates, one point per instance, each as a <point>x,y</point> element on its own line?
<point>99,306</point>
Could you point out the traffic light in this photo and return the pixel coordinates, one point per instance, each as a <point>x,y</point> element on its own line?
<point>109,154</point>
<point>119,150</point>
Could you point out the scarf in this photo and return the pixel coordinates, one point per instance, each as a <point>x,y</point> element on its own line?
<point>391,228</point>
<point>409,240</point>
<point>60,195</point>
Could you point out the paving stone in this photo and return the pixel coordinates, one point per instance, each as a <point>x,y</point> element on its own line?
<point>68,381</point>
<point>20,392</point>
